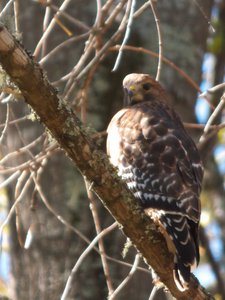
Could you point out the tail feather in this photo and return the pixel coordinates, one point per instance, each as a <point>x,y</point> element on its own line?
<point>185,240</point>
<point>181,275</point>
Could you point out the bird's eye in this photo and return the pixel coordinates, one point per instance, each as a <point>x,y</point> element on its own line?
<point>146,86</point>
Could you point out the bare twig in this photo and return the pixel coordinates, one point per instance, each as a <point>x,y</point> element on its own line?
<point>153,293</point>
<point>56,214</point>
<point>78,72</point>
<point>143,8</point>
<point>204,15</point>
<point>73,20</point>
<point>46,21</point>
<point>20,137</point>
<point>130,6</point>
<point>10,179</point>
<point>126,264</point>
<point>100,242</point>
<point>6,124</point>
<point>60,47</point>
<point>18,190</point>
<point>20,183</point>
<point>213,89</point>
<point>82,257</point>
<point>98,18</point>
<point>22,149</point>
<point>16,14</point>
<point>212,118</point>
<point>128,278</point>
<point>84,93</point>
<point>157,22</point>
<point>93,206</point>
<point>16,121</point>
<point>103,50</point>
<point>33,163</point>
<point>214,265</point>
<point>12,209</point>
<point>73,74</point>
<point>114,14</point>
<point>50,27</point>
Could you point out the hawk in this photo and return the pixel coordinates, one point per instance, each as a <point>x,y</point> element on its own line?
<point>161,165</point>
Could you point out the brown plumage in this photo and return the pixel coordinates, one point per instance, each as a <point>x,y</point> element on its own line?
<point>161,165</point>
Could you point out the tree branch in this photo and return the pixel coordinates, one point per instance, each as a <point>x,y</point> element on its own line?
<point>71,135</point>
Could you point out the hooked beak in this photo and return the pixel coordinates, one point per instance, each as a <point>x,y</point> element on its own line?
<point>128,95</point>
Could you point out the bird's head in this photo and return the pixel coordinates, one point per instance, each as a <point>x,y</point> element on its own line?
<point>141,87</point>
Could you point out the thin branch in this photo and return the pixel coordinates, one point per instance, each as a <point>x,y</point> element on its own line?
<point>128,278</point>
<point>90,247</point>
<point>106,8</point>
<point>204,15</point>
<point>4,11</point>
<point>22,149</point>
<point>100,242</point>
<point>143,8</point>
<point>114,14</point>
<point>19,185</point>
<point>103,50</point>
<point>10,179</point>
<point>46,21</point>
<point>58,48</point>
<point>98,18</point>
<point>153,292</point>
<point>16,15</point>
<point>214,265</point>
<point>56,214</point>
<point>91,196</point>
<point>3,133</point>
<point>20,137</point>
<point>212,118</point>
<point>73,20</point>
<point>79,73</point>
<point>130,7</point>
<point>46,16</point>
<point>157,22</point>
<point>72,75</point>
<point>12,209</point>
<point>90,45</point>
<point>213,89</point>
<point>32,163</point>
<point>80,69</point>
<point>15,121</point>
<point>126,264</point>
<point>18,190</point>
<point>50,27</point>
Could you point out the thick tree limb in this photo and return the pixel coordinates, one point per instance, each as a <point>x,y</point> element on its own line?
<point>92,163</point>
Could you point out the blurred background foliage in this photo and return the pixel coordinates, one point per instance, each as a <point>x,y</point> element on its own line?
<point>41,271</point>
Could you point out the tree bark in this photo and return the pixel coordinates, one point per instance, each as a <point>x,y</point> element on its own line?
<point>74,138</point>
